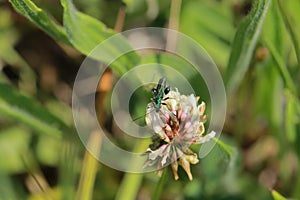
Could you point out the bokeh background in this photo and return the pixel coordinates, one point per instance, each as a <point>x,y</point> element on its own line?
<point>254,44</point>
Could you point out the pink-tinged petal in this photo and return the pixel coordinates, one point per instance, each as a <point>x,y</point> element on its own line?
<point>178,130</point>
<point>183,116</point>
<point>168,128</point>
<point>156,153</point>
<point>165,155</point>
<point>188,125</point>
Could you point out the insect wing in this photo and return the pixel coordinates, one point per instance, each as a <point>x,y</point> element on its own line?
<point>161,85</point>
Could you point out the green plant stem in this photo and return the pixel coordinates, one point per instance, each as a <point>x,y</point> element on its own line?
<point>281,66</point>
<point>129,187</point>
<point>159,186</point>
<point>290,30</point>
<point>296,192</point>
<point>173,23</point>
<point>89,168</point>
<point>131,182</point>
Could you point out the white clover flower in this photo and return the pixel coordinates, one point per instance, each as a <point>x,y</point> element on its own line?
<point>178,124</point>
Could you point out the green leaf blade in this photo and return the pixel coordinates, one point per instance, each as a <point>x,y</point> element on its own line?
<point>86,33</point>
<point>35,14</point>
<point>23,109</point>
<point>244,45</point>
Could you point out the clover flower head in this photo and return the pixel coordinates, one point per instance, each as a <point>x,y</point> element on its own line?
<point>178,124</point>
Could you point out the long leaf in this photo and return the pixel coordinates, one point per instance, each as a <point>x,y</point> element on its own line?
<point>244,45</point>
<point>292,29</point>
<point>281,66</point>
<point>25,110</point>
<point>86,33</point>
<point>40,18</point>
<point>89,169</point>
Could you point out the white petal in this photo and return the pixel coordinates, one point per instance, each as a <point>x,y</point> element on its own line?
<point>206,138</point>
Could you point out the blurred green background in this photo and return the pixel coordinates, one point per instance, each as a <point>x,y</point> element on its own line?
<point>255,45</point>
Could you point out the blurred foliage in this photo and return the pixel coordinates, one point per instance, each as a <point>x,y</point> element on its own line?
<point>255,44</point>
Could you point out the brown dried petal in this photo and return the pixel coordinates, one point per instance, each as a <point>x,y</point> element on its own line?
<point>186,166</point>
<point>175,169</point>
<point>202,108</point>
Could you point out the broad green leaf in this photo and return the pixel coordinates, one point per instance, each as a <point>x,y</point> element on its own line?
<point>244,45</point>
<point>86,33</point>
<point>35,14</point>
<point>277,196</point>
<point>23,109</point>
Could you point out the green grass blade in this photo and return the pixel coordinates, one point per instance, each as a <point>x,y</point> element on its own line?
<point>131,182</point>
<point>90,167</point>
<point>25,110</point>
<point>35,14</point>
<point>281,66</point>
<point>291,117</point>
<point>291,29</point>
<point>244,45</point>
<point>85,33</point>
<point>69,168</point>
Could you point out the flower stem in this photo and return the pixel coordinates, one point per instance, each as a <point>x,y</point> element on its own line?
<point>90,167</point>
<point>131,182</point>
<point>159,186</point>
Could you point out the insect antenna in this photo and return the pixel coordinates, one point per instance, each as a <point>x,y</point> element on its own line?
<point>140,117</point>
